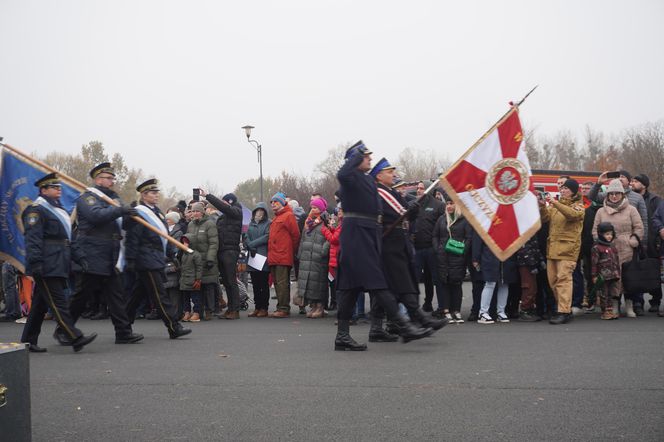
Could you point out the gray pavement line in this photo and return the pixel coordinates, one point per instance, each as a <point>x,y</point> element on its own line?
<point>318,386</point>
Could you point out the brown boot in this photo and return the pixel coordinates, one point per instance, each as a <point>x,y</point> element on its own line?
<point>195,318</point>
<point>186,316</point>
<point>317,311</point>
<point>262,314</point>
<point>279,314</point>
<point>231,315</point>
<point>253,314</point>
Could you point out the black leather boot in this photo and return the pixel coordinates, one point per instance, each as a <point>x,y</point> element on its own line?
<point>378,334</point>
<point>428,321</point>
<point>343,341</point>
<point>409,331</point>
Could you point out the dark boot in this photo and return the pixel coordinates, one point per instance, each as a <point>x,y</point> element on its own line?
<point>378,334</point>
<point>178,331</point>
<point>343,341</point>
<point>392,328</point>
<point>409,331</point>
<point>428,321</point>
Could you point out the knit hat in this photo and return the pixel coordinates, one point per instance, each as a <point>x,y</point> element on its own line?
<point>293,204</point>
<point>173,216</point>
<point>319,203</point>
<point>182,205</point>
<point>615,186</point>
<point>198,207</point>
<point>643,179</point>
<point>572,185</point>
<point>230,198</point>
<point>604,227</point>
<point>625,174</point>
<point>280,198</point>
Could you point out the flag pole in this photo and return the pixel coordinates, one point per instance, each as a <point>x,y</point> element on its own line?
<point>82,188</point>
<point>513,108</point>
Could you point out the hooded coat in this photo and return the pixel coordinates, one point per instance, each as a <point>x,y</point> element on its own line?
<point>202,234</point>
<point>626,221</point>
<point>313,256</point>
<point>258,234</point>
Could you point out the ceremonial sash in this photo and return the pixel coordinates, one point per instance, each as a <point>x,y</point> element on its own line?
<point>60,214</point>
<point>148,215</point>
<point>120,263</point>
<point>391,201</point>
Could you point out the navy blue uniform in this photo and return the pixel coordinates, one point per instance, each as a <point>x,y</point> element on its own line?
<point>48,261</point>
<point>145,252</point>
<point>360,264</point>
<point>99,235</point>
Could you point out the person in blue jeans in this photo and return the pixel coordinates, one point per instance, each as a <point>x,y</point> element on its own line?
<point>9,287</point>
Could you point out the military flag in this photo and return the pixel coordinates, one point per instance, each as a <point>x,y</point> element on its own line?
<point>17,191</point>
<point>491,183</point>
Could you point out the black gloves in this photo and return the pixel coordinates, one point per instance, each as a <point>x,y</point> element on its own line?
<point>84,265</point>
<point>128,210</point>
<point>209,265</point>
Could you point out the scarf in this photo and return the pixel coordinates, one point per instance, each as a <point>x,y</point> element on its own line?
<point>616,206</point>
<point>311,223</point>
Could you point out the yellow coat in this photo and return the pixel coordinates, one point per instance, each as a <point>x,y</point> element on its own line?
<point>565,220</point>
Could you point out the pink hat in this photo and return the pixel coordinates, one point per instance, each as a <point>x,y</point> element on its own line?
<point>319,203</point>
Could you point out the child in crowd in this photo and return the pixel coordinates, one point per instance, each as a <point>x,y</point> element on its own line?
<point>605,271</point>
<point>191,271</point>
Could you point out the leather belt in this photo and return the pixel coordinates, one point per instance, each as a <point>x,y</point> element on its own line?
<point>377,219</point>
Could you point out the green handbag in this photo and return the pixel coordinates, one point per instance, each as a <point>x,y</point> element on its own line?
<point>455,247</point>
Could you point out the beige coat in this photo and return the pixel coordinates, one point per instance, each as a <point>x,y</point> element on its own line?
<point>627,222</point>
<point>565,220</point>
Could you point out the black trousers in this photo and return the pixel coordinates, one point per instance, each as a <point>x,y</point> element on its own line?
<point>49,293</point>
<point>151,283</point>
<point>346,300</point>
<point>409,300</point>
<point>452,296</point>
<point>261,284</point>
<point>228,273</point>
<point>111,289</point>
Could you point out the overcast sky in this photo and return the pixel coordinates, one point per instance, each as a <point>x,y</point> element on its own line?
<point>169,84</point>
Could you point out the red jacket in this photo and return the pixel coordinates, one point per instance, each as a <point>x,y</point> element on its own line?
<point>284,238</point>
<point>332,235</point>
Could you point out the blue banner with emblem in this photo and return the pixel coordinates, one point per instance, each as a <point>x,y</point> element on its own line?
<point>17,191</point>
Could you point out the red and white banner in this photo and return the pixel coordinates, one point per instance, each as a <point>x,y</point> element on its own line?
<point>491,182</point>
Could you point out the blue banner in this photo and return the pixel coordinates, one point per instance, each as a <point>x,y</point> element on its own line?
<point>17,192</point>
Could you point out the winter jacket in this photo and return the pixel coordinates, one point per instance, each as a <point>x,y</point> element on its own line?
<point>451,267</point>
<point>587,240</point>
<point>654,241</point>
<point>565,218</point>
<point>284,239</point>
<point>144,247</point>
<point>529,255</point>
<point>177,231</point>
<point>191,269</point>
<point>422,227</point>
<point>313,256</point>
<point>604,261</point>
<point>658,223</point>
<point>332,235</point>
<point>491,268</point>
<point>256,238</point>
<point>635,199</point>
<point>229,225</point>
<point>626,222</point>
<point>204,239</point>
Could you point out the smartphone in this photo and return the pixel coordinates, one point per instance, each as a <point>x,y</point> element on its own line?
<point>197,194</point>
<point>613,175</point>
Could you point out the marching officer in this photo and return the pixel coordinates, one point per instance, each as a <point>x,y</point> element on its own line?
<point>99,235</point>
<point>48,260</point>
<point>397,256</point>
<point>360,266</point>
<point>146,255</point>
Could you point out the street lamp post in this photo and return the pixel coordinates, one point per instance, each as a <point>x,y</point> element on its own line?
<point>259,149</point>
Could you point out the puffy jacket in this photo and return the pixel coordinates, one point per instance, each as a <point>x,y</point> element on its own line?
<point>332,235</point>
<point>626,222</point>
<point>313,257</point>
<point>284,238</point>
<point>229,225</point>
<point>191,269</point>
<point>204,239</point>
<point>451,267</point>
<point>635,199</point>
<point>529,254</point>
<point>258,233</point>
<point>565,218</point>
<point>429,212</point>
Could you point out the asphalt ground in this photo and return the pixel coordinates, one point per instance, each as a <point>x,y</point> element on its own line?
<point>279,379</point>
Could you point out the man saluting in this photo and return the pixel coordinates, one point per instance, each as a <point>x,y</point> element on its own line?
<point>48,260</point>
